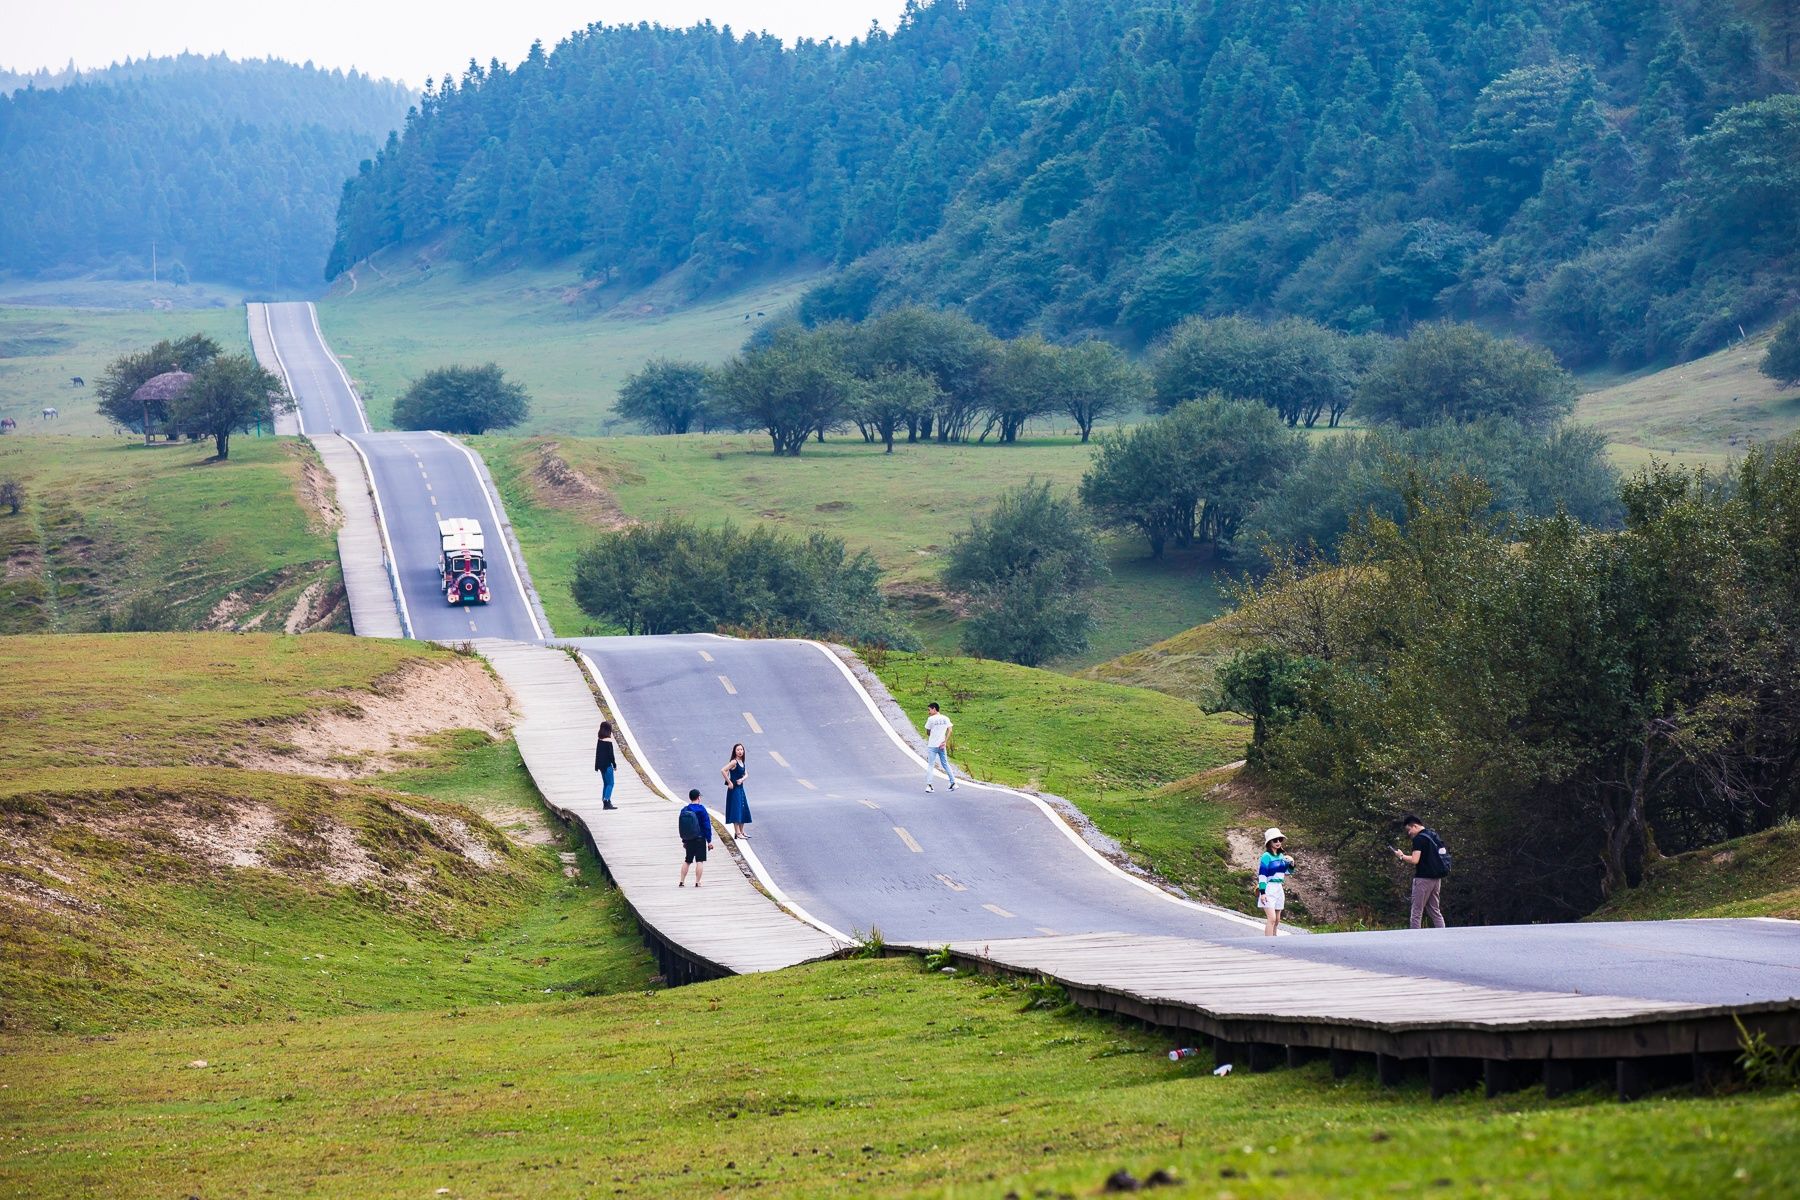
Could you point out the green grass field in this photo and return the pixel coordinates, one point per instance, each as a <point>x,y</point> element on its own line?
<point>151,879</point>
<point>1701,412</point>
<point>570,348</point>
<point>1755,876</point>
<point>1125,756</point>
<point>42,348</point>
<point>110,521</point>
<point>868,1078</point>
<point>905,508</point>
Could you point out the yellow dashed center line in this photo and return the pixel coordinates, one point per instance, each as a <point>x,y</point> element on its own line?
<point>870,804</point>
<point>996,910</point>
<point>908,839</point>
<point>705,657</point>
<point>776,755</point>
<point>729,690</point>
<point>950,883</point>
<point>807,784</point>
<point>750,721</point>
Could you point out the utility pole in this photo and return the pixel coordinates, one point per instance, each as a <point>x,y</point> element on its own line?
<point>152,260</point>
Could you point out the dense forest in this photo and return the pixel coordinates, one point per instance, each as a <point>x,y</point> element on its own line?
<point>1619,179</point>
<point>231,169</point>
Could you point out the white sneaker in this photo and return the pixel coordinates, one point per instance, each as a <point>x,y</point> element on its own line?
<point>928,787</point>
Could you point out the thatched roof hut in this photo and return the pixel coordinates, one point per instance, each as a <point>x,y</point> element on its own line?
<point>164,387</point>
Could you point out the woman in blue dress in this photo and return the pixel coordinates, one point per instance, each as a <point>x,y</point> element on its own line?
<point>737,805</point>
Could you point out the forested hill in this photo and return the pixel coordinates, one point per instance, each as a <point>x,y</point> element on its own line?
<point>1584,171</point>
<point>232,169</point>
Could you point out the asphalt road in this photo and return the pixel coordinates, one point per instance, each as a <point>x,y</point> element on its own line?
<point>419,478</point>
<point>842,819</point>
<point>846,830</point>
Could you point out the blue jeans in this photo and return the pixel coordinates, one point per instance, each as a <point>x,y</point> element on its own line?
<point>938,755</point>
<point>606,773</point>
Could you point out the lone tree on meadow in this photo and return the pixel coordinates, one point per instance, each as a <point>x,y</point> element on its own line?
<point>12,496</point>
<point>667,396</point>
<point>462,400</point>
<point>1451,372</point>
<point>120,390</point>
<point>231,394</point>
<point>1782,362</point>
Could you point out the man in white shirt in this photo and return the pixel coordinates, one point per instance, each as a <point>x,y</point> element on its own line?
<point>937,737</point>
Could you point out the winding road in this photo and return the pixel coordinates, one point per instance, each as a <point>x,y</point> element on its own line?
<point>845,832</point>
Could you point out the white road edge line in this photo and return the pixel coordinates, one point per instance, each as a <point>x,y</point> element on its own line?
<point>499,532</point>
<point>275,349</point>
<point>361,415</point>
<point>1050,813</point>
<point>756,868</point>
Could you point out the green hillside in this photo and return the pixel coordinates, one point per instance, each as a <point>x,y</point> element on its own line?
<point>403,313</point>
<point>1755,876</point>
<point>174,857</point>
<point>118,534</point>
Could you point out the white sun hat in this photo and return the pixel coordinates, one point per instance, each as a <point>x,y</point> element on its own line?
<point>1270,835</point>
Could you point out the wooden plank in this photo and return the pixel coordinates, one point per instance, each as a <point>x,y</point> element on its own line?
<point>728,922</point>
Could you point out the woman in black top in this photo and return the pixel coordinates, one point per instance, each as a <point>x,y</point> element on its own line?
<point>737,805</point>
<point>605,760</point>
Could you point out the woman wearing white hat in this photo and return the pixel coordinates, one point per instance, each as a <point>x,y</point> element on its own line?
<point>1271,879</point>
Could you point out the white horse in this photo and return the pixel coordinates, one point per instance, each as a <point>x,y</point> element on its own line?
<point>50,414</point>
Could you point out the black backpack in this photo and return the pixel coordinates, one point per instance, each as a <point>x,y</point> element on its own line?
<point>1443,852</point>
<point>689,824</point>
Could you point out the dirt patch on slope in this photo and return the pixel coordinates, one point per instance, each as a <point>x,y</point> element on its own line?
<point>559,485</point>
<point>364,733</point>
<point>317,490</point>
<point>1314,882</point>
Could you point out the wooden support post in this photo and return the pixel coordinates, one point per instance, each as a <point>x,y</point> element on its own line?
<point>1633,1077</point>
<point>1342,1062</point>
<point>1451,1075</point>
<point>1299,1056</point>
<point>1391,1071</point>
<point>1560,1077</point>
<point>1712,1069</point>
<point>1265,1056</point>
<point>1226,1052</point>
<point>1502,1075</point>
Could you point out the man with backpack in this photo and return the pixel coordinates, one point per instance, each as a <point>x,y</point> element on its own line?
<point>1430,860</point>
<point>695,826</point>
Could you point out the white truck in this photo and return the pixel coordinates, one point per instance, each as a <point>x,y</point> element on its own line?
<point>462,561</point>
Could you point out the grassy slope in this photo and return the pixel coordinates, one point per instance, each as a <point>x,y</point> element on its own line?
<point>1125,756</point>
<point>1756,876</point>
<point>42,348</point>
<point>539,323</point>
<point>864,1078</point>
<point>110,520</point>
<point>905,508</point>
<point>151,933</point>
<point>1182,666</point>
<point>1700,412</point>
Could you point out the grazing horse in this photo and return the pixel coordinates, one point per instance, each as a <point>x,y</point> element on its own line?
<point>77,381</point>
<point>50,414</point>
<point>7,424</point>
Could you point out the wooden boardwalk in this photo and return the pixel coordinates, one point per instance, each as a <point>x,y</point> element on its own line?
<point>1264,1010</point>
<point>727,927</point>
<point>362,555</point>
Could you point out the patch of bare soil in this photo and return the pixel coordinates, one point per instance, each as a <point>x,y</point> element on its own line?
<point>456,832</point>
<point>318,492</point>
<point>560,485</point>
<point>1315,879</point>
<point>925,597</point>
<point>369,732</point>
<point>23,562</point>
<point>226,614</point>
<point>302,616</point>
<point>522,826</point>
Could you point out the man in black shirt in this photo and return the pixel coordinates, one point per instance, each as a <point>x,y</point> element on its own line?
<point>1428,871</point>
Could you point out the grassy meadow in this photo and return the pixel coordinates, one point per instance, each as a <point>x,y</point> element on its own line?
<point>1754,876</point>
<point>904,508</point>
<point>860,1077</point>
<point>571,347</point>
<point>110,521</point>
<point>42,348</point>
<point>157,873</point>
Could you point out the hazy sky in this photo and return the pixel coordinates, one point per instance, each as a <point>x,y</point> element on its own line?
<point>407,39</point>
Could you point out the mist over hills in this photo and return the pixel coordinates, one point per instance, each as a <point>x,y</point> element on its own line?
<point>231,168</point>
<point>1617,179</point>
